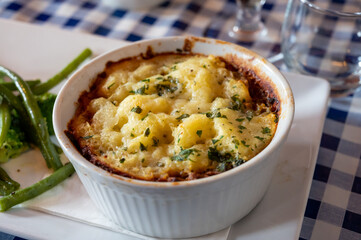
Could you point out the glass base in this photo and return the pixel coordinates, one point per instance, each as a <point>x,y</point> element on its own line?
<point>344,76</point>
<point>247,35</point>
<point>349,86</point>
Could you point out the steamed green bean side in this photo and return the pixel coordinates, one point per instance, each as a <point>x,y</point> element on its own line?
<point>13,101</point>
<point>36,189</point>
<point>11,86</point>
<point>25,103</point>
<point>5,120</point>
<point>52,82</point>
<point>38,123</point>
<point>7,185</point>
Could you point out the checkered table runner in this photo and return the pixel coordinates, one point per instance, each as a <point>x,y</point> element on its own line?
<point>334,205</point>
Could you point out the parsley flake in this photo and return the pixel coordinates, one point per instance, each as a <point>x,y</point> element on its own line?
<point>199,133</point>
<point>144,117</point>
<point>147,132</point>
<point>236,104</point>
<point>249,116</point>
<point>259,138</point>
<point>182,116</point>
<point>184,154</point>
<point>87,137</point>
<point>142,147</point>
<point>111,85</point>
<point>136,109</point>
<point>141,91</point>
<point>244,143</point>
<point>215,114</point>
<point>266,130</point>
<point>155,141</point>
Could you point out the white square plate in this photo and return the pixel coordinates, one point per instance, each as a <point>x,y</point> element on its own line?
<point>40,52</point>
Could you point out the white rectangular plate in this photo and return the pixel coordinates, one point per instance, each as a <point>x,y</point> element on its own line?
<point>40,52</point>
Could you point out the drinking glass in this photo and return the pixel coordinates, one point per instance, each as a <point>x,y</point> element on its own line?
<point>323,38</point>
<point>248,25</point>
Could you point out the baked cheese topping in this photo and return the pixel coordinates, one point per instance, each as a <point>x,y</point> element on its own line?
<point>172,117</point>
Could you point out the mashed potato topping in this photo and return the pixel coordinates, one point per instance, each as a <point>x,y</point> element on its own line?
<point>171,117</point>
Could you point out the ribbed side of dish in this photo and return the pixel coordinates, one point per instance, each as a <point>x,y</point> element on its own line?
<point>188,213</point>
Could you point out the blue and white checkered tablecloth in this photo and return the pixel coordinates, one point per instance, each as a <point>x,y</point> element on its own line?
<point>334,205</point>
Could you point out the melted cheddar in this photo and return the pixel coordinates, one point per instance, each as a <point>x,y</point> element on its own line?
<point>172,117</point>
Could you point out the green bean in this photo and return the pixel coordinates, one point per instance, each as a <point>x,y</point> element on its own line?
<point>37,121</point>
<point>5,120</point>
<point>52,82</point>
<point>16,103</point>
<point>11,86</point>
<point>36,189</point>
<point>12,100</point>
<point>7,185</point>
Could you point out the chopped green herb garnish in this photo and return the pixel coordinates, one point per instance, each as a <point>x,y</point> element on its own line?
<point>142,160</point>
<point>141,90</point>
<point>239,119</point>
<point>236,143</point>
<point>236,103</point>
<point>136,109</point>
<point>276,119</point>
<point>214,141</point>
<point>146,80</point>
<point>110,85</point>
<point>165,88</point>
<point>132,135</point>
<point>174,67</point>
<point>144,117</point>
<point>244,143</point>
<point>226,160</point>
<point>199,133</point>
<point>249,116</point>
<point>142,147</point>
<point>87,137</point>
<point>182,116</point>
<point>259,138</point>
<point>266,130</point>
<point>215,114</point>
<point>155,141</point>
<point>184,154</point>
<point>122,160</point>
<point>221,167</point>
<point>147,132</point>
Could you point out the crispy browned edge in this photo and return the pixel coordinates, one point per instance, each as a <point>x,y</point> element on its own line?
<point>260,90</point>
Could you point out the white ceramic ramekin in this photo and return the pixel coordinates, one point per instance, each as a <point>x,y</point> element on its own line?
<point>177,209</point>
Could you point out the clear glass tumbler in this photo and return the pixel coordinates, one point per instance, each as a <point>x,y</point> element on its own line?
<point>323,38</point>
<point>248,25</point>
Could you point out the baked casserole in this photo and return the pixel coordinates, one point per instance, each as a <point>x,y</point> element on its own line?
<point>173,117</point>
